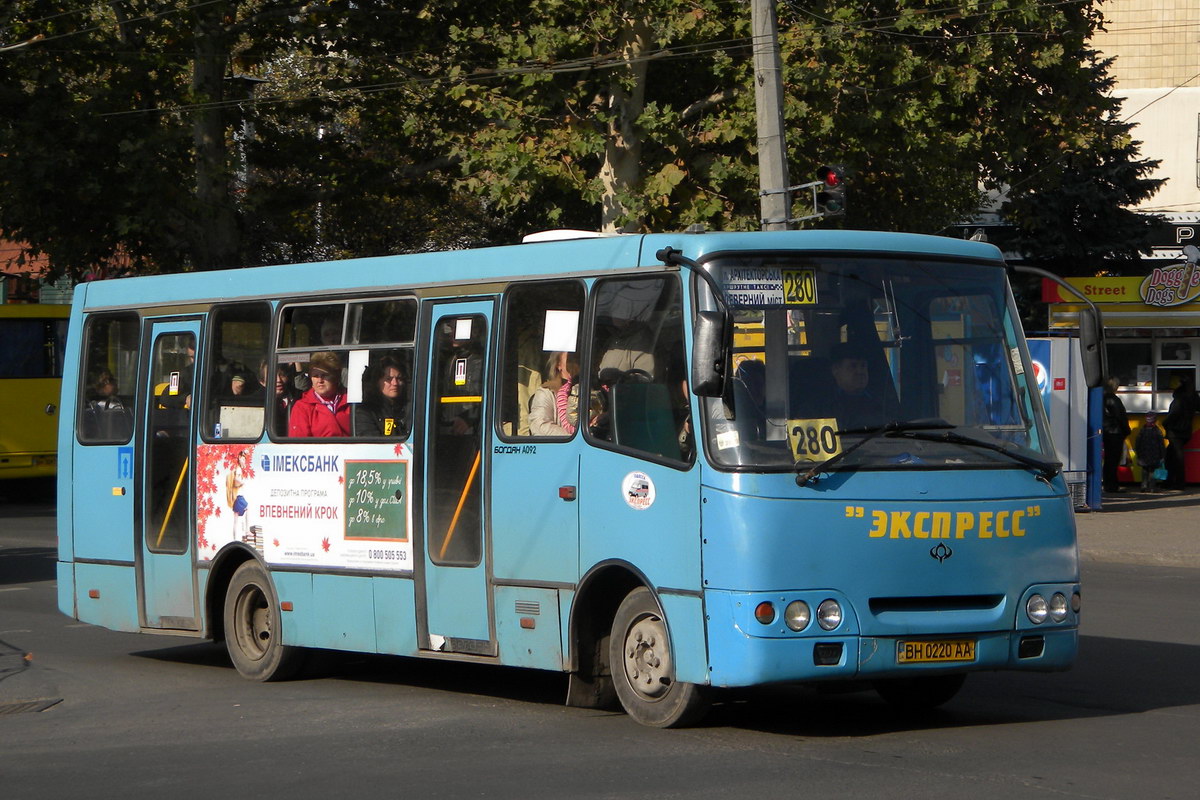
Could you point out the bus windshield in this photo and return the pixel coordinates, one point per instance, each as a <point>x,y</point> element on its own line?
<point>866,362</point>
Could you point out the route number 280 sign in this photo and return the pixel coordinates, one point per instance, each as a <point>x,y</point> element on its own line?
<point>813,439</point>
<point>799,287</point>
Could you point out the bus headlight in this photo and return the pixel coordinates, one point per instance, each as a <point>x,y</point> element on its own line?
<point>829,614</point>
<point>764,612</point>
<point>1058,607</point>
<point>1035,609</point>
<point>797,615</point>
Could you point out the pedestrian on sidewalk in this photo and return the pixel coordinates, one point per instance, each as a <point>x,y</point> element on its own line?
<point>1150,449</point>
<point>1178,426</point>
<point>1115,431</point>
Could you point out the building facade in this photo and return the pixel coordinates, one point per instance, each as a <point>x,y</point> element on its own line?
<point>1156,47</point>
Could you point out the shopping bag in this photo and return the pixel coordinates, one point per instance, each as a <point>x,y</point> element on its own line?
<point>1160,473</point>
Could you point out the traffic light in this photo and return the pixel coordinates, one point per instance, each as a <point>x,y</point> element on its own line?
<point>831,198</point>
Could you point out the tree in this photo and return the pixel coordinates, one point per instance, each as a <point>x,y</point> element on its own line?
<point>383,128</point>
<point>926,107</point>
<point>128,137</point>
<point>1071,216</point>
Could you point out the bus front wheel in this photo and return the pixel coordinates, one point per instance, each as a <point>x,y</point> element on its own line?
<point>253,627</point>
<point>921,693</point>
<point>643,667</point>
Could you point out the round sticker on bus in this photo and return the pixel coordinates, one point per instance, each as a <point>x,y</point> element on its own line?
<point>638,491</point>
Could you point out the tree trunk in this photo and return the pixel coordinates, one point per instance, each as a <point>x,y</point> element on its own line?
<point>215,243</point>
<point>623,145</point>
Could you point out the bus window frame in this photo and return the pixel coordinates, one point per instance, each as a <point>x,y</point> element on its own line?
<point>591,362</point>
<point>81,398</point>
<point>583,342</point>
<point>351,329</point>
<point>204,370</point>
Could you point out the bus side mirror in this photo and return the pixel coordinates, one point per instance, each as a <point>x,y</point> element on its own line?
<point>708,354</point>
<point>1091,346</point>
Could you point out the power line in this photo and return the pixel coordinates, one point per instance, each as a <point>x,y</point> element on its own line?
<point>143,18</point>
<point>611,61</point>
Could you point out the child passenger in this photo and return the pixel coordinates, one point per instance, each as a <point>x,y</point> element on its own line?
<point>553,409</point>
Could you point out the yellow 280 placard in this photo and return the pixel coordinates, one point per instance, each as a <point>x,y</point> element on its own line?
<point>814,439</point>
<point>799,287</point>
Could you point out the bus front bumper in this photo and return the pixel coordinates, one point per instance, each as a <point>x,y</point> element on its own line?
<point>741,654</point>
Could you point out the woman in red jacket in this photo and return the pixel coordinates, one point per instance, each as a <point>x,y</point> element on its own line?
<point>322,410</point>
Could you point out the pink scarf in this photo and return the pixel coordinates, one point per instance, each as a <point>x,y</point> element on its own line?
<point>560,402</point>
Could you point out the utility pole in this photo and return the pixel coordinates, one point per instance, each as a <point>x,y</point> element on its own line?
<point>774,192</point>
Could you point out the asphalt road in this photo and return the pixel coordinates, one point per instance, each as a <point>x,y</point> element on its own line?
<point>90,711</point>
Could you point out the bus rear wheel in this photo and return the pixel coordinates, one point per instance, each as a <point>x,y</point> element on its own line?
<point>643,667</point>
<point>253,627</point>
<point>921,693</point>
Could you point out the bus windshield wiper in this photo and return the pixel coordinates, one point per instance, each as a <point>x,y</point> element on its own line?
<point>1046,469</point>
<point>890,429</point>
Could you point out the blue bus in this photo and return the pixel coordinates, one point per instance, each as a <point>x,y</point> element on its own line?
<point>663,464</point>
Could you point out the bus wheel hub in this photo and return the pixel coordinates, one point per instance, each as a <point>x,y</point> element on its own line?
<point>647,657</point>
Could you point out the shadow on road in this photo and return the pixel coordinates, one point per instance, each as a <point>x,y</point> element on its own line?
<point>39,494</point>
<point>1133,499</point>
<point>1114,677</point>
<point>523,685</point>
<point>27,564</point>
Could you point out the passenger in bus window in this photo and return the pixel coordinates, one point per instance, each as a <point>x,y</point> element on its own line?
<point>856,406</point>
<point>104,392</point>
<point>322,410</point>
<point>384,408</point>
<point>629,349</point>
<point>242,383</point>
<point>331,331</point>
<point>285,394</point>
<point>554,407</point>
<point>105,416</point>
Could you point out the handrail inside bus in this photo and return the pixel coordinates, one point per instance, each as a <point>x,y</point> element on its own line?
<point>171,505</point>
<point>461,502</point>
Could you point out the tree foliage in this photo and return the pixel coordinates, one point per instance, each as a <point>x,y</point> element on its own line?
<point>371,126</point>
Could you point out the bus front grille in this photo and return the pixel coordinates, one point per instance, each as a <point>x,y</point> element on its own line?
<point>939,603</point>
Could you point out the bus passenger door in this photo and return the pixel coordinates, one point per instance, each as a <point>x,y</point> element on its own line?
<point>166,560</point>
<point>457,615</point>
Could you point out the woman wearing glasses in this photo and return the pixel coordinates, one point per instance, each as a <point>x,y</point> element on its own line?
<point>322,410</point>
<point>383,411</point>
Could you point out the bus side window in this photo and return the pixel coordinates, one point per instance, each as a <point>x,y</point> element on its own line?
<point>639,392</point>
<point>311,344</point>
<point>237,368</point>
<point>385,410</point>
<point>109,379</point>
<point>384,332</point>
<point>540,361</point>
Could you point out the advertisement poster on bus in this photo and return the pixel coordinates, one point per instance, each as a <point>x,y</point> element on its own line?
<point>306,505</point>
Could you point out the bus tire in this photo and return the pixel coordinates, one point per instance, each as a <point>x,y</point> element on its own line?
<point>253,628</point>
<point>920,693</point>
<point>643,667</point>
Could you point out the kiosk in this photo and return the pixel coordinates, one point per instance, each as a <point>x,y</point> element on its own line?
<point>1152,330</point>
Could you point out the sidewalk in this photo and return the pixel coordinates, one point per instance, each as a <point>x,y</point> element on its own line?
<point>1160,529</point>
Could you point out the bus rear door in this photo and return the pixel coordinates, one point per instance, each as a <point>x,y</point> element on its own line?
<point>166,565</point>
<point>457,614</point>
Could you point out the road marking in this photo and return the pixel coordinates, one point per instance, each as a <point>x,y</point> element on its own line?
<point>15,630</point>
<point>15,589</point>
